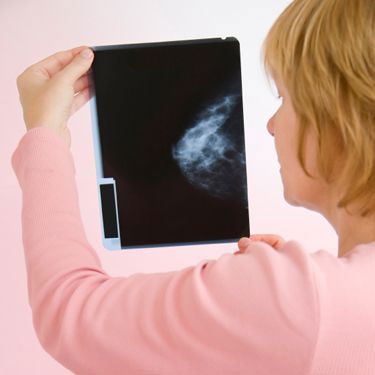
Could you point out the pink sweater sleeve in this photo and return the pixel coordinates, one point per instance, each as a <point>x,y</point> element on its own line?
<point>251,313</point>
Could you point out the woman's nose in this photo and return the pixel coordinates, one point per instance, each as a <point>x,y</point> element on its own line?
<point>270,126</point>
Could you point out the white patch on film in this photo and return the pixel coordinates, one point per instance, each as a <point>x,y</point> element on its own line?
<point>206,155</point>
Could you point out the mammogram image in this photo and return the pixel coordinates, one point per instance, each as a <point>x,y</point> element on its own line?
<point>171,131</point>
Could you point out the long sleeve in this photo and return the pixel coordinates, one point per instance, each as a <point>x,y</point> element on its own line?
<point>251,313</point>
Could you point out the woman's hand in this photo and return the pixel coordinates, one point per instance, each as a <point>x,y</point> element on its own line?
<point>53,89</point>
<point>272,239</point>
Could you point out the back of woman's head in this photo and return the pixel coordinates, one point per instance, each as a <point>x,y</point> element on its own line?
<point>324,53</point>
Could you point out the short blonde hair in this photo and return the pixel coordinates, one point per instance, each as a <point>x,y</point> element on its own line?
<point>324,53</point>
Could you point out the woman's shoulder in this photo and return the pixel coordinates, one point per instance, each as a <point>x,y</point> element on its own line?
<point>360,253</point>
<point>323,264</point>
<point>348,277</point>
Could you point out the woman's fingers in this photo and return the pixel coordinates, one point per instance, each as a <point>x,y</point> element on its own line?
<point>243,242</point>
<point>81,83</point>
<point>273,240</point>
<point>81,99</point>
<point>54,63</point>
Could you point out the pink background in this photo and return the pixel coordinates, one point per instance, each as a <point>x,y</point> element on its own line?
<point>34,29</point>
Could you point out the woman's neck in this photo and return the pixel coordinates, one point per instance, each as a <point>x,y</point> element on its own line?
<point>352,230</point>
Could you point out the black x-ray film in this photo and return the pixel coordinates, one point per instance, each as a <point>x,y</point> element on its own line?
<point>169,143</point>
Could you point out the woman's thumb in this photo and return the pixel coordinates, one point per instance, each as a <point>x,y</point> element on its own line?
<point>78,66</point>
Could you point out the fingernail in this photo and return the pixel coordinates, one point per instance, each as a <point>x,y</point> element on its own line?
<point>86,53</point>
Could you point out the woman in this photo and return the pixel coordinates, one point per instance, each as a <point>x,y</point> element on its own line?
<point>270,308</point>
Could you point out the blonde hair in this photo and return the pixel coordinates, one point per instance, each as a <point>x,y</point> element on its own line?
<point>324,52</point>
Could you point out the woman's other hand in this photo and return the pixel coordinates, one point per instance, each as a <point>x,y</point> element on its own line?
<point>272,239</point>
<point>53,89</point>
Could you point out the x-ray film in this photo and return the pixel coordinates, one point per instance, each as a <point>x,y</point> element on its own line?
<point>169,143</point>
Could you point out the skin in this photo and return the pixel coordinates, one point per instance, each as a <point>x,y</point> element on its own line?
<point>313,194</point>
<point>53,89</point>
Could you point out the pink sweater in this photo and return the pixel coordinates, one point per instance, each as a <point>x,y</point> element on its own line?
<point>262,312</point>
